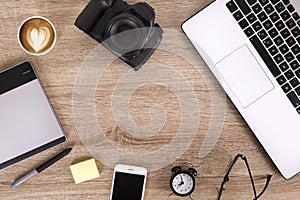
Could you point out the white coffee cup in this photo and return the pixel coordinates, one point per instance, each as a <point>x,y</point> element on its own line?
<point>37,35</point>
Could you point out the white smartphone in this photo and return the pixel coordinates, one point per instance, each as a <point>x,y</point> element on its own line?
<point>128,182</point>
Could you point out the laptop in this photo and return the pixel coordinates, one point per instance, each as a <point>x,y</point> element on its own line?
<point>253,49</point>
<point>28,124</point>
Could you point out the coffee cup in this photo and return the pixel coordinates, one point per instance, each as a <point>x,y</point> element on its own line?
<point>37,35</point>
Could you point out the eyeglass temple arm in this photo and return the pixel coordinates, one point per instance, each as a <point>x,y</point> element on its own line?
<point>221,189</point>
<point>266,185</point>
<point>252,181</point>
<point>226,177</point>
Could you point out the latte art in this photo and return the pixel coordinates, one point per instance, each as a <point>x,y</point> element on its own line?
<point>38,39</point>
<point>37,36</point>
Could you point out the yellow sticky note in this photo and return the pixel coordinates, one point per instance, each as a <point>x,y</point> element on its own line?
<point>84,171</point>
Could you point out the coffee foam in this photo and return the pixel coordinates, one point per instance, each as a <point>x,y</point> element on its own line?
<point>37,36</point>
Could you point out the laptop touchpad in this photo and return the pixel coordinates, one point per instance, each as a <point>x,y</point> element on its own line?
<point>244,76</point>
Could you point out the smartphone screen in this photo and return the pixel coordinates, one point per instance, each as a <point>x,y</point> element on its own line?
<point>128,186</point>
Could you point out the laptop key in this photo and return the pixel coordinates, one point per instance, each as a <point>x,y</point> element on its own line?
<point>291,8</point>
<point>268,42</point>
<point>298,58</point>
<point>249,31</point>
<point>243,6</point>
<point>284,49</point>
<point>291,41</point>
<point>298,110</point>
<point>296,32</point>
<point>238,15</point>
<point>273,32</point>
<point>289,74</point>
<point>280,7</point>
<point>285,33</point>
<point>262,34</point>
<point>231,6</point>
<point>278,41</point>
<point>269,9</point>
<point>262,16</point>
<point>294,99</point>
<point>294,82</point>
<point>279,25</point>
<point>251,2</point>
<point>284,66</point>
<point>263,2</point>
<point>268,24</point>
<point>251,18</point>
<point>296,16</point>
<point>257,26</point>
<point>297,90</point>
<point>296,49</point>
<point>274,17</point>
<point>274,1</point>
<point>290,23</point>
<point>286,2</point>
<point>286,88</point>
<point>285,15</point>
<point>243,23</point>
<point>278,58</point>
<point>289,57</point>
<point>273,50</point>
<point>297,73</point>
<point>294,65</point>
<point>265,55</point>
<point>256,8</point>
<point>281,80</point>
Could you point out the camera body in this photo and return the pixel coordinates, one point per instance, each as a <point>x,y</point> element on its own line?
<point>128,31</point>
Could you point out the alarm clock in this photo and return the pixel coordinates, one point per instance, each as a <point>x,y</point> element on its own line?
<point>183,182</point>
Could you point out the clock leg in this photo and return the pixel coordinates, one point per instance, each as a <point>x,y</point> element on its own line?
<point>191,197</point>
<point>170,194</point>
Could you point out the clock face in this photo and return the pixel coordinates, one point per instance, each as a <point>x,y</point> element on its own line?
<point>183,184</point>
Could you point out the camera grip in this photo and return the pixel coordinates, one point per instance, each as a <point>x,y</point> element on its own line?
<point>145,10</point>
<point>91,13</point>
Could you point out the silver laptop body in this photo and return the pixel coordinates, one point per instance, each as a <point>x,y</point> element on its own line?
<point>28,124</point>
<point>258,68</point>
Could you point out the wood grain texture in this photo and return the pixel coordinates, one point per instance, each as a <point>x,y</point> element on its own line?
<point>58,71</point>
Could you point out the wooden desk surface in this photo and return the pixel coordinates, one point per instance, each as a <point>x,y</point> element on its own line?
<point>58,72</point>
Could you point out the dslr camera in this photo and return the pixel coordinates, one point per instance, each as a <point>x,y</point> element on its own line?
<point>128,31</point>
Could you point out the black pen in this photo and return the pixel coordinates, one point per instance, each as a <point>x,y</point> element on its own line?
<point>41,167</point>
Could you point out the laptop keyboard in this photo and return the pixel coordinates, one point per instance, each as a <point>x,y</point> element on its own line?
<point>272,27</point>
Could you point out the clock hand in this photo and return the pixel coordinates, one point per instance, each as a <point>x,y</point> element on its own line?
<point>181,183</point>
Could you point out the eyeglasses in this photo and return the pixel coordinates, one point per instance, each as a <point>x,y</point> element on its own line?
<point>226,177</point>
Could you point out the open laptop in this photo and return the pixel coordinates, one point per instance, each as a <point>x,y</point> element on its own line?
<point>27,122</point>
<point>253,49</point>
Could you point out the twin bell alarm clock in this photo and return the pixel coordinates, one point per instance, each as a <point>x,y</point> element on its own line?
<point>182,181</point>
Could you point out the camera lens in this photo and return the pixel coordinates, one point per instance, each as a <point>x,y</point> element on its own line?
<point>125,33</point>
<point>125,38</point>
